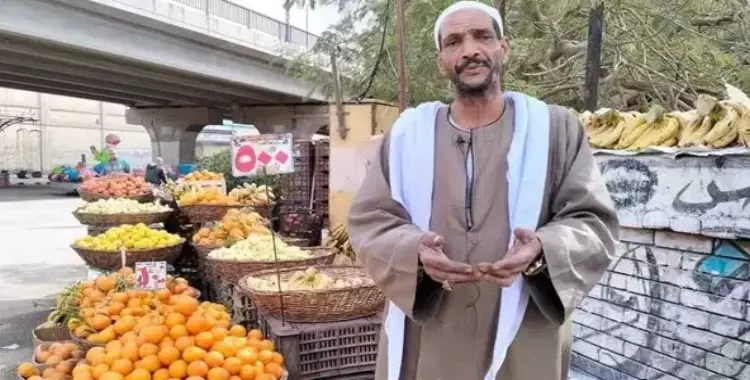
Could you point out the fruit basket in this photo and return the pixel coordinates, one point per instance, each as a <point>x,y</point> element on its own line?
<point>37,368</point>
<point>84,343</point>
<point>65,350</point>
<point>203,250</point>
<point>92,197</point>
<point>203,213</point>
<point>118,219</point>
<point>111,260</point>
<point>356,299</point>
<point>48,334</point>
<point>234,270</point>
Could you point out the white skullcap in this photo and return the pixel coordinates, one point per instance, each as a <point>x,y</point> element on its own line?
<point>463,5</point>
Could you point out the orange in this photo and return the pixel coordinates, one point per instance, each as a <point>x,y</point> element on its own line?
<point>274,369</point>
<point>113,346</point>
<point>255,334</point>
<point>184,305</point>
<point>163,295</point>
<point>197,368</point>
<point>178,331</point>
<point>111,375</point>
<point>219,333</point>
<point>99,322</point>
<point>237,331</point>
<point>169,354</point>
<point>225,347</point>
<point>217,374</point>
<point>167,342</point>
<point>160,374</point>
<point>178,369</point>
<point>153,334</point>
<point>147,349</point>
<point>204,340</point>
<point>116,307</point>
<point>266,345</point>
<point>99,369</point>
<point>174,319</point>
<point>247,355</point>
<point>184,342</point>
<point>265,376</point>
<point>105,283</point>
<point>122,366</point>
<point>196,324</point>
<point>151,363</point>
<point>247,372</point>
<point>195,378</point>
<point>233,365</point>
<point>277,358</point>
<point>214,359</point>
<point>80,376</point>
<point>130,351</point>
<point>192,354</point>
<point>27,370</point>
<point>124,324</point>
<point>265,356</point>
<point>96,355</point>
<point>139,374</point>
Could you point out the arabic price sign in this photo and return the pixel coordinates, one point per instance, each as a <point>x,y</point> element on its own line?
<point>270,153</point>
<point>151,274</point>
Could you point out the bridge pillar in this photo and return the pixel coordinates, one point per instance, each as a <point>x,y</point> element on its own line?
<point>174,131</point>
<point>300,120</point>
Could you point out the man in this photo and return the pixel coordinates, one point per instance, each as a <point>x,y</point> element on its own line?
<point>485,222</point>
<point>155,172</point>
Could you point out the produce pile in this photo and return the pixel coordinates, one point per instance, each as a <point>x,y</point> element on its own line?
<point>309,279</point>
<point>57,353</point>
<point>250,194</point>
<point>206,197</point>
<point>259,247</point>
<point>203,175</point>
<point>117,185</point>
<point>235,226</point>
<point>160,334</point>
<point>338,242</point>
<point>174,190</point>
<point>111,206</point>
<point>713,124</point>
<point>138,237</point>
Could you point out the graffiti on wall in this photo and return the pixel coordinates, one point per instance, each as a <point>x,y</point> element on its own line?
<point>653,301</point>
<point>693,195</point>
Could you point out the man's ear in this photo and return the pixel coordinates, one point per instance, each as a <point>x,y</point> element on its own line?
<point>505,48</point>
<point>439,64</point>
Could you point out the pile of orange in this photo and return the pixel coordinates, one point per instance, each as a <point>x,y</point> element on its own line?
<point>60,371</point>
<point>117,185</point>
<point>210,196</point>
<point>235,226</point>
<point>203,175</point>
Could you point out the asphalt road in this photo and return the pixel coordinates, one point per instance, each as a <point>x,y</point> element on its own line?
<point>36,262</point>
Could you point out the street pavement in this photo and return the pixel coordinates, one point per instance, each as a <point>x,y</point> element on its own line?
<point>36,230</point>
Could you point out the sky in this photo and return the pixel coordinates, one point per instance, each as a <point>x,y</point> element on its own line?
<point>314,22</point>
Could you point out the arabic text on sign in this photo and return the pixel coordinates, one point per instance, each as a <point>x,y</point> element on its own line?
<point>269,153</point>
<point>151,274</point>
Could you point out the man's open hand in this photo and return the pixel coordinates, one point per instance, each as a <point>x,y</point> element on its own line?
<point>526,248</point>
<point>438,266</point>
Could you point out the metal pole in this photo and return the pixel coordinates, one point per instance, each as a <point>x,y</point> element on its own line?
<point>594,56</point>
<point>403,91</point>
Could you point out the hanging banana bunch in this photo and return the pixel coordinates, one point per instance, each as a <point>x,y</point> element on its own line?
<point>338,241</point>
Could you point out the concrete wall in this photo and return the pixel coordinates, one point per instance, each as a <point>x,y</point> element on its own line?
<point>672,305</point>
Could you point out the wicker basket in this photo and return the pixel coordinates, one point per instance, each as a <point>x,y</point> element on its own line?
<point>233,270</point>
<point>42,334</point>
<point>89,197</point>
<point>330,305</point>
<point>45,346</point>
<point>203,250</point>
<point>264,211</point>
<point>119,219</point>
<point>85,344</point>
<point>110,260</point>
<point>205,213</point>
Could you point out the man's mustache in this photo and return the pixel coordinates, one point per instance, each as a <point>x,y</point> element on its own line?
<point>478,61</point>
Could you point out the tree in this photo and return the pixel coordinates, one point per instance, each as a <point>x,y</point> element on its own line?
<point>662,52</point>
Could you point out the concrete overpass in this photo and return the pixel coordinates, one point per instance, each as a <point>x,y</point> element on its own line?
<point>179,64</point>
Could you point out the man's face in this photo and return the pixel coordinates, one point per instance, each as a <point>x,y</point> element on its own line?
<point>471,53</point>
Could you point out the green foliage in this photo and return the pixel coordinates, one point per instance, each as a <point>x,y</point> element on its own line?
<point>662,52</point>
<point>221,162</point>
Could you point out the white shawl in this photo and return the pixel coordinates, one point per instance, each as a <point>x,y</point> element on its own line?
<point>411,162</point>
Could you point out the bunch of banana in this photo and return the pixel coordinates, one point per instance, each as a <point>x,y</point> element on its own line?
<point>250,194</point>
<point>338,242</point>
<point>176,189</point>
<point>66,305</point>
<point>708,112</point>
<point>607,138</point>
<point>725,131</point>
<point>652,129</point>
<point>311,279</point>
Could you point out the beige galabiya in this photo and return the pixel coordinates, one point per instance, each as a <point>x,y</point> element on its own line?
<point>449,335</point>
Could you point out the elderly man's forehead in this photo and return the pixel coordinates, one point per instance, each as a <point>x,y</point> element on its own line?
<point>465,19</point>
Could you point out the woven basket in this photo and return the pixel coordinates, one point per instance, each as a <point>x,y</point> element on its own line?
<point>330,305</point>
<point>233,270</point>
<point>42,335</point>
<point>203,250</point>
<point>90,197</point>
<point>119,219</point>
<point>44,346</point>
<point>264,211</point>
<point>110,260</point>
<point>85,344</point>
<point>205,213</point>
<point>39,367</point>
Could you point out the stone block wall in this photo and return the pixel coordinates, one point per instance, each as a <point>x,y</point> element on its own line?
<point>671,306</point>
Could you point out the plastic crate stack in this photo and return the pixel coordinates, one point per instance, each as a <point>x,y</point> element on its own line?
<point>322,173</point>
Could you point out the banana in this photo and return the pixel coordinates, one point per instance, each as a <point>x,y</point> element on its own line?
<point>644,125</point>
<point>743,129</point>
<point>722,127</point>
<point>727,139</point>
<point>659,132</point>
<point>608,139</point>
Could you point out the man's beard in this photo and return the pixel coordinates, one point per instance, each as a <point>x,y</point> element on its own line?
<point>479,90</point>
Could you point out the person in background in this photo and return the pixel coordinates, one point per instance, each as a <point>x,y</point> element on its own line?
<point>484,222</point>
<point>155,172</point>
